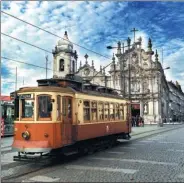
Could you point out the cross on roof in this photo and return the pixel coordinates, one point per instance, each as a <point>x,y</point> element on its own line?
<point>86,57</point>
<point>134,30</point>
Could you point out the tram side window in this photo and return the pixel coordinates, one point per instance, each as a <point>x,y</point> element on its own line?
<point>117,112</point>
<point>100,111</point>
<point>86,111</point>
<point>112,111</point>
<point>27,108</point>
<point>121,112</point>
<point>45,106</point>
<point>64,106</point>
<point>58,108</point>
<point>69,108</point>
<point>94,111</point>
<point>106,112</point>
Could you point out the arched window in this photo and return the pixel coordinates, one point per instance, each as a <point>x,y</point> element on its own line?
<point>73,66</point>
<point>61,65</point>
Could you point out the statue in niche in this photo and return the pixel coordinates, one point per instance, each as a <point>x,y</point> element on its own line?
<point>146,108</point>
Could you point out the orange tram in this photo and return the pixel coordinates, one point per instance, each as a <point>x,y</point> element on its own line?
<point>67,116</point>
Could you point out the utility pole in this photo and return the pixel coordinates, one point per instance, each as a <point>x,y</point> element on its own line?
<point>46,64</point>
<point>23,81</point>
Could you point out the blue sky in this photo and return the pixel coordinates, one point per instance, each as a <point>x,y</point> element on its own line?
<point>93,25</point>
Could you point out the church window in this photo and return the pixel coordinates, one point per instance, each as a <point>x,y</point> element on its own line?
<point>116,80</point>
<point>145,86</point>
<point>61,65</point>
<point>73,66</point>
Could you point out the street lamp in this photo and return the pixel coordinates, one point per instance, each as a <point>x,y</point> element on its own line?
<point>166,68</point>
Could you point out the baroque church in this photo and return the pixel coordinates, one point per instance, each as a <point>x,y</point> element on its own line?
<point>133,73</point>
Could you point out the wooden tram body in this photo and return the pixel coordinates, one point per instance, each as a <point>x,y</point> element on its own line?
<point>66,113</point>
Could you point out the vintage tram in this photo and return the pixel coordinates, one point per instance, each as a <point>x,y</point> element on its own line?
<point>67,115</point>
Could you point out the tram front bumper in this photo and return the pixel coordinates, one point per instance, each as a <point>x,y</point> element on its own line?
<point>31,146</point>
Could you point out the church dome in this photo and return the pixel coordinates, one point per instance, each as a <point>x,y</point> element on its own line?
<point>65,43</point>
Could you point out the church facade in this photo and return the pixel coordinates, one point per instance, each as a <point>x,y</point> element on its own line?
<point>133,73</point>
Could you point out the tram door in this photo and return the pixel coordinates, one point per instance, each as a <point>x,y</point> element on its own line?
<point>67,120</point>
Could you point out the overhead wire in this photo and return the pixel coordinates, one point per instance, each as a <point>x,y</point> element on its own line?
<point>47,50</point>
<point>29,44</point>
<point>54,34</point>
<point>26,42</point>
<point>18,61</point>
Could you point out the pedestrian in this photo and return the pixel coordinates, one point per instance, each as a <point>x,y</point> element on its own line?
<point>137,121</point>
<point>132,121</point>
<point>142,122</point>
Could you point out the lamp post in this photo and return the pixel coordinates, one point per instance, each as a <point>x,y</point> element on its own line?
<point>160,123</point>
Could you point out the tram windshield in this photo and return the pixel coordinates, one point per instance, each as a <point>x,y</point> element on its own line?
<point>45,106</point>
<point>27,108</point>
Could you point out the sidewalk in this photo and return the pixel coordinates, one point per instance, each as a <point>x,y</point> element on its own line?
<point>154,129</point>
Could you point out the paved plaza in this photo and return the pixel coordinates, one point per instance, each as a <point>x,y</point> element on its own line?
<point>155,158</point>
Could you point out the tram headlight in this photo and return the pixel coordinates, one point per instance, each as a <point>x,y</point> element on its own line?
<point>26,135</point>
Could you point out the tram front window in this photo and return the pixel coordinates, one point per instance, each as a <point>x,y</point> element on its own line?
<point>27,108</point>
<point>45,106</point>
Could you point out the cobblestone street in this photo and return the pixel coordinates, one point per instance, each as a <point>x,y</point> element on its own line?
<point>158,158</point>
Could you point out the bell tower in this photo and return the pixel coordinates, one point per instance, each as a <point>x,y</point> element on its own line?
<point>65,58</point>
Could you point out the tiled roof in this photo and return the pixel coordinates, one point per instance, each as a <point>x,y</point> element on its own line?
<point>5,98</point>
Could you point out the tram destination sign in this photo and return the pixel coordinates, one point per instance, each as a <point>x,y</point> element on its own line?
<point>25,96</point>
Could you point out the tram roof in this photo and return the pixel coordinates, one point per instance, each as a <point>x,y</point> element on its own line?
<point>71,84</point>
<point>47,89</point>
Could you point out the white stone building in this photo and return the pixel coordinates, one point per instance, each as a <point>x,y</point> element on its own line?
<point>132,68</point>
<point>176,103</point>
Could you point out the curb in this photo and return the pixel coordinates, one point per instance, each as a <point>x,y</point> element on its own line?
<point>146,132</point>
<point>161,129</point>
<point>151,134</point>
